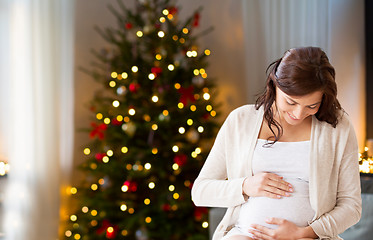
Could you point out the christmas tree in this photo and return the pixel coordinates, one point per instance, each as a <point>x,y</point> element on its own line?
<point>153,125</point>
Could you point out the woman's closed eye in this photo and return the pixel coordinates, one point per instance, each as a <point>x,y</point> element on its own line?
<point>312,107</point>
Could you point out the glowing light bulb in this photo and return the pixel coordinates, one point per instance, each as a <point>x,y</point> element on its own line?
<point>94,212</point>
<point>120,118</point>
<point>101,181</point>
<point>114,75</point>
<point>198,150</point>
<point>73,190</point>
<point>175,148</point>
<point>123,207</point>
<point>175,166</point>
<point>112,84</point>
<point>206,96</point>
<point>124,188</point>
<point>99,116</point>
<point>124,149</point>
<point>85,209</point>
<point>147,166</point>
<point>116,103</point>
<point>105,159</point>
<point>94,187</point>
<point>131,111</point>
<point>151,185</point>
<point>124,75</point>
<point>161,34</point>
<point>151,76</point>
<point>176,196</point>
<point>171,67</point>
<point>181,130</point>
<point>87,151</point>
<point>134,69</point>
<point>139,34</point>
<point>205,224</point>
<point>68,233</point>
<point>107,120</point>
<point>155,98</point>
<point>109,153</point>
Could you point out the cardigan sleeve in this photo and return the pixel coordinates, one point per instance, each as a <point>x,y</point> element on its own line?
<point>347,210</point>
<point>212,188</point>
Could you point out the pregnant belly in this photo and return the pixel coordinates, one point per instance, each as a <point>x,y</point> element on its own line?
<point>295,208</point>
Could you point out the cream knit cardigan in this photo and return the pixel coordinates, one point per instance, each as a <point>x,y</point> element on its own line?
<point>335,193</point>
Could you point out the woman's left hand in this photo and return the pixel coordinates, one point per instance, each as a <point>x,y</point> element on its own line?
<point>286,231</point>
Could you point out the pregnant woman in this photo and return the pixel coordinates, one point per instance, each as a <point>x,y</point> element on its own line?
<point>286,167</point>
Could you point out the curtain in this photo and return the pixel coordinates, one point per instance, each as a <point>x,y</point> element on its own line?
<point>37,109</point>
<point>337,26</point>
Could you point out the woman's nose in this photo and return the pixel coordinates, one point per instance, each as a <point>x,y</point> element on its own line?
<point>299,112</point>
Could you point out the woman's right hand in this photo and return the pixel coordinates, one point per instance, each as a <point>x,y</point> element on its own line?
<point>266,185</point>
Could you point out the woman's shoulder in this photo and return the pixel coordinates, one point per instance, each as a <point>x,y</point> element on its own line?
<point>245,110</point>
<point>246,114</point>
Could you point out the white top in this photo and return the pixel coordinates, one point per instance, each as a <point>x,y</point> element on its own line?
<point>291,161</point>
<point>334,185</point>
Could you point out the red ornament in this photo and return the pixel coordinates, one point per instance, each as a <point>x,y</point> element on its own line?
<point>156,71</point>
<point>116,122</point>
<point>196,20</point>
<point>128,25</point>
<point>110,229</point>
<point>187,94</point>
<point>157,26</point>
<point>166,207</point>
<point>100,156</point>
<point>180,159</point>
<point>172,10</point>
<point>199,212</point>
<point>206,116</point>
<point>98,130</point>
<point>133,87</point>
<point>132,186</point>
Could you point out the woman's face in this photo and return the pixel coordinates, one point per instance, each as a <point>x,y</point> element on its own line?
<point>294,109</point>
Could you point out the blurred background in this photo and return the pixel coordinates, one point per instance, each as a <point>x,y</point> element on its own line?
<point>44,95</point>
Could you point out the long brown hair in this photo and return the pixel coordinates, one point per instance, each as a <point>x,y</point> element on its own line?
<point>299,72</point>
